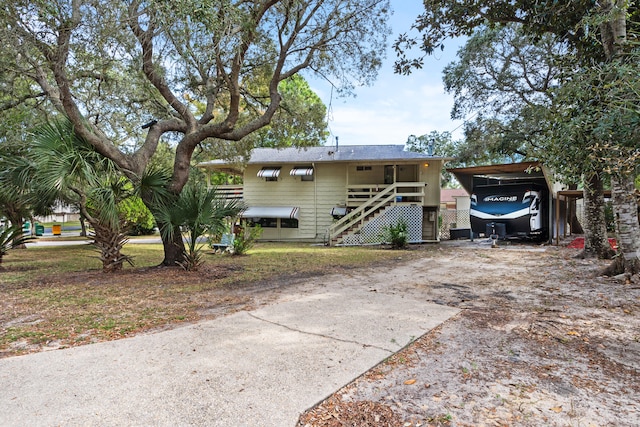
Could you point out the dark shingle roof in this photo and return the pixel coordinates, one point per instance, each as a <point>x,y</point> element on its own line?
<point>346,153</point>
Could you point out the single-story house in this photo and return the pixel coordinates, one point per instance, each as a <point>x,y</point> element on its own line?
<point>346,195</point>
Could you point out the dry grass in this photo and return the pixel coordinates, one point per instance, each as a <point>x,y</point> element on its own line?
<point>53,297</point>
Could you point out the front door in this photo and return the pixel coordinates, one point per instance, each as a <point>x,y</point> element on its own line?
<point>389,174</point>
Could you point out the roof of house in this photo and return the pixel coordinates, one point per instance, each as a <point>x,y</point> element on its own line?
<point>449,194</point>
<point>345,153</point>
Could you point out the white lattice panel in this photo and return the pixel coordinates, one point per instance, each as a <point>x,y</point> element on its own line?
<point>451,218</point>
<point>373,231</point>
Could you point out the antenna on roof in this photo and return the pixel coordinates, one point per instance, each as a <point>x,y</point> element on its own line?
<point>336,143</point>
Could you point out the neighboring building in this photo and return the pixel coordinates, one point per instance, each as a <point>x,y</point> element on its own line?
<point>454,198</point>
<point>61,213</point>
<point>345,195</point>
<point>454,211</point>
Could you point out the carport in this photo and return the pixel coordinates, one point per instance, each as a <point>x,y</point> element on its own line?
<point>471,177</point>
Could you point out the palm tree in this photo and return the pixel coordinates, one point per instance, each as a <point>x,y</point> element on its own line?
<point>69,167</point>
<point>200,211</point>
<point>20,198</point>
<point>100,209</point>
<point>11,237</point>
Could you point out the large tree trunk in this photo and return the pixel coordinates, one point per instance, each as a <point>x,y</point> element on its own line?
<point>614,35</point>
<point>628,231</point>
<point>174,253</point>
<point>614,31</point>
<point>596,243</point>
<point>83,226</point>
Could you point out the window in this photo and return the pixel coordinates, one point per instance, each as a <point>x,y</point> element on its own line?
<point>288,223</point>
<point>269,174</point>
<point>363,168</point>
<point>304,172</point>
<point>264,222</point>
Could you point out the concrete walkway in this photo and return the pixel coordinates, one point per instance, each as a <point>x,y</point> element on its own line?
<point>252,368</point>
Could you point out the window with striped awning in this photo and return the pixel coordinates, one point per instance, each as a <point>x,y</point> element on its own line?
<point>269,173</point>
<point>291,212</point>
<point>301,171</point>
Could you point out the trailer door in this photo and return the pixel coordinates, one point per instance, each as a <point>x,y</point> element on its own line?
<point>535,219</point>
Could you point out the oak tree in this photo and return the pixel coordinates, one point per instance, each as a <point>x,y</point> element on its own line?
<point>112,66</point>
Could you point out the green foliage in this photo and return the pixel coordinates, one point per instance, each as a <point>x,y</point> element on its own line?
<point>138,217</point>
<point>199,211</point>
<point>11,237</point>
<point>449,19</point>
<point>502,77</point>
<point>20,195</point>
<point>437,144</point>
<point>595,120</point>
<point>65,163</point>
<point>70,169</point>
<point>500,70</point>
<point>246,238</point>
<point>191,71</point>
<point>396,234</point>
<point>300,120</point>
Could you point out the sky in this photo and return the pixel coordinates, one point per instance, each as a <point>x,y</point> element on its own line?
<point>395,106</point>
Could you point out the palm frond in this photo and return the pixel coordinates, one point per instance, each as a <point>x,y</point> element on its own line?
<point>11,237</point>
<point>153,187</point>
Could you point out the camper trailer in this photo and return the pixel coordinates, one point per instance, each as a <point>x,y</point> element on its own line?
<point>516,210</point>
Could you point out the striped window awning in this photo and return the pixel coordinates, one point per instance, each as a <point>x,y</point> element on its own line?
<point>291,212</point>
<point>301,171</point>
<point>269,173</point>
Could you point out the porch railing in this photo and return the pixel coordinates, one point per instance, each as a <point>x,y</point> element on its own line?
<point>230,192</point>
<point>408,191</point>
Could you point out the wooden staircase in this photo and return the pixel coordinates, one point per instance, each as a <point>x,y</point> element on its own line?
<point>371,209</point>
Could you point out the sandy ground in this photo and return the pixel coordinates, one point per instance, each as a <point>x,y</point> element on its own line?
<point>541,341</point>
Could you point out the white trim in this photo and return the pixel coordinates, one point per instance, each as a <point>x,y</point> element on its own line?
<point>511,215</point>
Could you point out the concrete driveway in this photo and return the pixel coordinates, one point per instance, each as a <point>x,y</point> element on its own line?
<point>252,368</point>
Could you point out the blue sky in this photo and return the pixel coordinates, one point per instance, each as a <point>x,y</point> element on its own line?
<point>395,106</point>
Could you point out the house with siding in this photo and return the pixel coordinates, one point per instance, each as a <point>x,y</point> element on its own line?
<point>338,196</point>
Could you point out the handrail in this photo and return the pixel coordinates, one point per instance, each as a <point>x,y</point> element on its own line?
<point>366,213</point>
<point>382,198</point>
<point>356,212</point>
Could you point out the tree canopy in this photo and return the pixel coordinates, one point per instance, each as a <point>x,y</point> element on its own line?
<point>448,19</point>
<point>113,67</point>
<point>580,121</point>
<point>127,74</point>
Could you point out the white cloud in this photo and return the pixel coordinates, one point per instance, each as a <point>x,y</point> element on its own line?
<point>389,116</point>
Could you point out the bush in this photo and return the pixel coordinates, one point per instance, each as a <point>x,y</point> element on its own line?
<point>396,235</point>
<point>246,238</point>
<point>138,218</point>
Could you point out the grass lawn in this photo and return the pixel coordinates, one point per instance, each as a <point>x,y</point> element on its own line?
<point>52,297</point>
